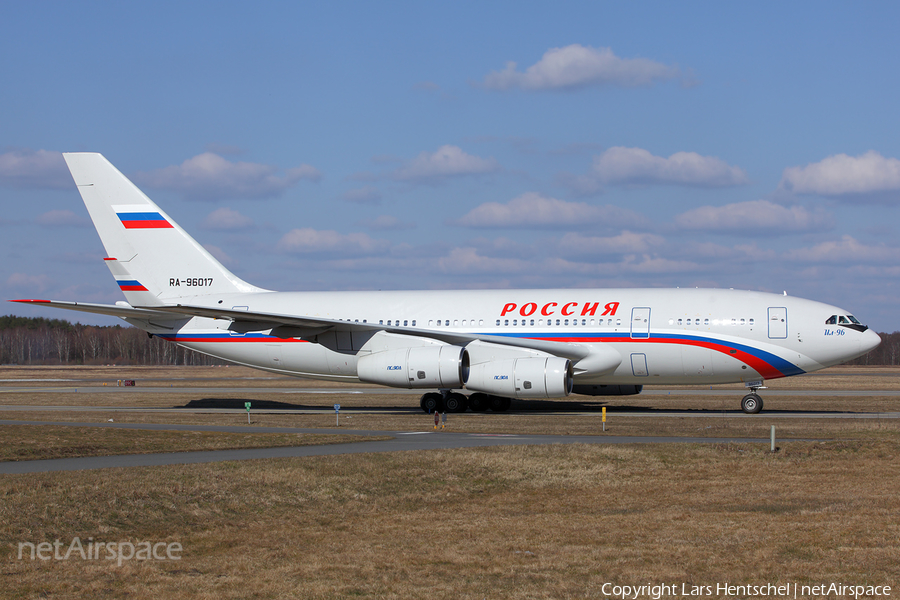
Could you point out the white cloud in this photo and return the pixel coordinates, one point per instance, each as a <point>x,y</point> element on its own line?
<point>28,283</point>
<point>578,66</point>
<point>468,260</point>
<point>841,175</point>
<point>312,241</point>
<point>40,169</point>
<point>62,218</point>
<point>208,176</point>
<point>220,256</point>
<point>847,250</point>
<point>364,195</point>
<point>226,219</point>
<point>621,165</point>
<point>757,216</point>
<point>535,210</point>
<point>447,161</point>
<point>647,264</point>
<point>627,242</point>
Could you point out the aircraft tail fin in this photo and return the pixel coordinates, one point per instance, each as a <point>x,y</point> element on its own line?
<point>153,260</point>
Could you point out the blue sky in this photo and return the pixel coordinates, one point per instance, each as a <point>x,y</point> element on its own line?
<point>465,145</point>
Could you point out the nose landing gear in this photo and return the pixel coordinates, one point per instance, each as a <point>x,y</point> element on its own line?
<point>752,403</point>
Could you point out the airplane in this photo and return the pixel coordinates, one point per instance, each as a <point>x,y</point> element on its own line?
<point>494,344</point>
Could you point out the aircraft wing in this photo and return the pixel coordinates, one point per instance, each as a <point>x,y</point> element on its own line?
<point>113,310</point>
<point>304,326</point>
<point>307,327</point>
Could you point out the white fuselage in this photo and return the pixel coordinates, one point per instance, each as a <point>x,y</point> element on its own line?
<point>664,336</point>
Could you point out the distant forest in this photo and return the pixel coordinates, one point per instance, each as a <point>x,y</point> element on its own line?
<point>40,341</point>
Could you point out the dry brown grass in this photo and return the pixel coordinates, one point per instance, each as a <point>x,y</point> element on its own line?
<point>30,442</point>
<point>729,425</point>
<point>514,522</point>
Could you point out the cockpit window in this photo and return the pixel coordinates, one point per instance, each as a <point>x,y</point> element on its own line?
<point>848,321</point>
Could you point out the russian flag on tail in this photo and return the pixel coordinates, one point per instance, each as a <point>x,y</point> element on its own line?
<point>143,220</point>
<point>131,285</point>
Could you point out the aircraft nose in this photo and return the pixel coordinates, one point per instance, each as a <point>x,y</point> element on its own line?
<point>869,341</point>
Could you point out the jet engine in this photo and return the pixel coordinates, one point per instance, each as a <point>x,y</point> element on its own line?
<point>443,366</point>
<point>538,377</point>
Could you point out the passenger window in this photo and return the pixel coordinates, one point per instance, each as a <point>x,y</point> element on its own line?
<point>414,322</point>
<point>506,322</point>
<point>405,322</point>
<point>532,322</point>
<point>743,322</point>
<point>679,321</point>
<point>706,321</point>
<point>751,322</point>
<point>447,322</point>
<point>498,322</point>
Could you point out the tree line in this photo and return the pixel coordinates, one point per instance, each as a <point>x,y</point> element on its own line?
<point>40,341</point>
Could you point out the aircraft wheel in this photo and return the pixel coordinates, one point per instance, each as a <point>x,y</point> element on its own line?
<point>479,402</point>
<point>456,403</point>
<point>499,403</point>
<point>751,404</point>
<point>431,402</point>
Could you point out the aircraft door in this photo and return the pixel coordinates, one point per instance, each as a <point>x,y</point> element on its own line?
<point>640,322</point>
<point>639,365</point>
<point>274,354</point>
<point>778,328</point>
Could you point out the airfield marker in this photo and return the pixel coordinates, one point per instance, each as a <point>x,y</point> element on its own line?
<point>247,406</point>
<point>604,419</point>
<point>337,415</point>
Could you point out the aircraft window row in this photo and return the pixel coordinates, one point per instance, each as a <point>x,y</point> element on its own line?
<point>456,323</point>
<point>714,322</point>
<point>557,322</point>
<point>396,322</point>
<point>842,320</point>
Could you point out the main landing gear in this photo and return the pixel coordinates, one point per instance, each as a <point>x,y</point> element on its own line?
<point>454,402</point>
<point>752,403</point>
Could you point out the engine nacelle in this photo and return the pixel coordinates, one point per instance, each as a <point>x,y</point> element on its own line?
<point>607,390</point>
<point>443,366</point>
<point>549,377</point>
